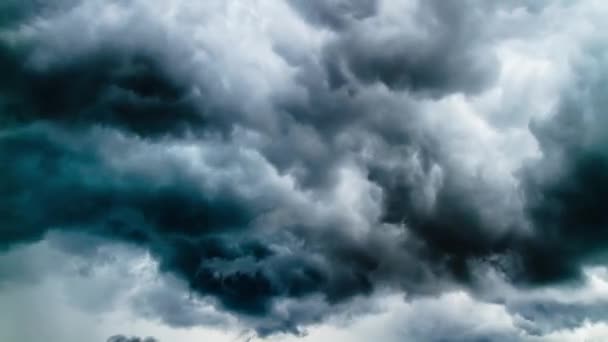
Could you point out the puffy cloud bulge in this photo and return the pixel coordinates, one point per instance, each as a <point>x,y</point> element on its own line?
<point>285,158</point>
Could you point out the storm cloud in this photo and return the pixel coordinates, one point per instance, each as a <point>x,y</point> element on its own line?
<point>284,170</point>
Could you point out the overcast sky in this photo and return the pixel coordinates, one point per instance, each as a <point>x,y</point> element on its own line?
<point>303,170</point>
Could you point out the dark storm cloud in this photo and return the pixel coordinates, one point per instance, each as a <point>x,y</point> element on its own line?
<point>438,50</point>
<point>54,169</point>
<point>457,59</point>
<point>60,180</point>
<point>567,187</point>
<point>76,189</point>
<point>124,136</point>
<point>453,229</point>
<point>109,85</point>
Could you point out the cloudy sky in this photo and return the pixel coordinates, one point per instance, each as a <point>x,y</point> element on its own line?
<point>303,170</point>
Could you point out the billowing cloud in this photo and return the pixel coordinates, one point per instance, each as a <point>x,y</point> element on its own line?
<point>284,160</point>
<point>564,199</point>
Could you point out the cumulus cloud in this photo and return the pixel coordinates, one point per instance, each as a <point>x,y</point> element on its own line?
<point>284,168</point>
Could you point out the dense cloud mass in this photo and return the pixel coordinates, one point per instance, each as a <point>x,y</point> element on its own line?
<point>285,160</point>
<point>565,199</point>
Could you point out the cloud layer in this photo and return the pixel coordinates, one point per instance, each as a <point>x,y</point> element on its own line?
<point>286,159</point>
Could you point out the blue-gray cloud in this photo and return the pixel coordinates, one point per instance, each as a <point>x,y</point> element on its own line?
<point>120,137</point>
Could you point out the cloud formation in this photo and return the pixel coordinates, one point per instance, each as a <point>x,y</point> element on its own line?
<point>285,169</point>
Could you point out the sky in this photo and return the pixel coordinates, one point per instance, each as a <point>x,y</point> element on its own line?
<point>303,170</point>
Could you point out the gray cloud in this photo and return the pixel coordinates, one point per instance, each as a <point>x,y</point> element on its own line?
<point>280,200</point>
<point>566,186</point>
